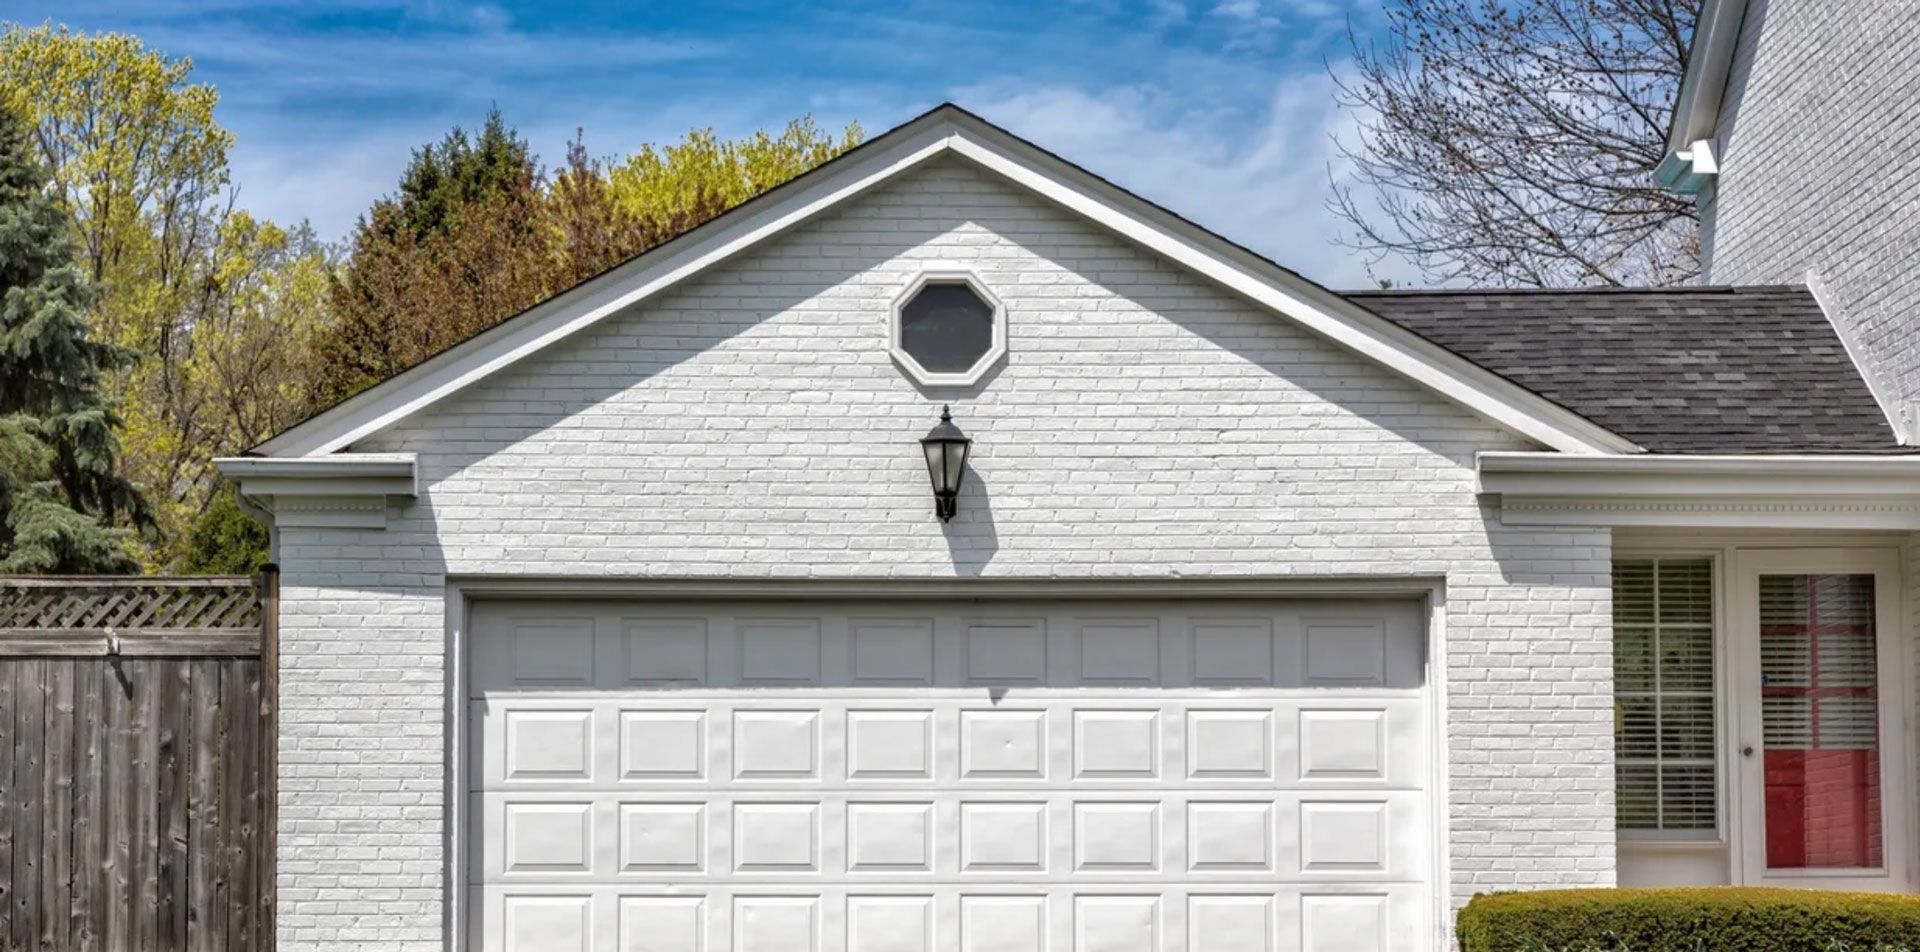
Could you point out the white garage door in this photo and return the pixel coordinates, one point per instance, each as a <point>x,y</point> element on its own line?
<point>969,777</point>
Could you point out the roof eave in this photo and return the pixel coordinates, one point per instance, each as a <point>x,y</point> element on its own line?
<point>340,491</point>
<point>1774,492</point>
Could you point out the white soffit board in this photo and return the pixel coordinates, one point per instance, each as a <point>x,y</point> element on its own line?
<point>1249,776</point>
<point>1806,492</point>
<point>950,130</point>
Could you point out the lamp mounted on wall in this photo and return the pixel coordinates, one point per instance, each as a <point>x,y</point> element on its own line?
<point>946,450</point>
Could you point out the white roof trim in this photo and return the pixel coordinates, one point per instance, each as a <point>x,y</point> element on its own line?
<point>345,490</point>
<point>1901,426</point>
<point>1801,492</point>
<point>945,130</point>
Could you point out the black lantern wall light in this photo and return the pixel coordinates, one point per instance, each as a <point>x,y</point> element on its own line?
<point>946,450</point>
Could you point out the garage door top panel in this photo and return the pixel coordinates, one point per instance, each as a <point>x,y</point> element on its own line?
<point>1305,645</point>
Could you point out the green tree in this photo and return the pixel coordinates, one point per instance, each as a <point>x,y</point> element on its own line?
<point>221,307</point>
<point>476,233</point>
<point>456,249</point>
<point>135,155</point>
<point>224,540</point>
<point>445,179</point>
<point>62,503</point>
<point>703,175</point>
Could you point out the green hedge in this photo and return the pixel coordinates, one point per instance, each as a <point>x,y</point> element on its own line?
<point>1729,919</point>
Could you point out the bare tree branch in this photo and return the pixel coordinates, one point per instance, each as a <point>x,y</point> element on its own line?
<point>1513,142</point>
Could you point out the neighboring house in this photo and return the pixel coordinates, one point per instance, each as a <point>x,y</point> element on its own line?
<point>1797,128</point>
<point>1268,617</point>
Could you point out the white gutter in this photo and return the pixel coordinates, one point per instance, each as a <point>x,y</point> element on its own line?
<point>1830,492</point>
<point>1690,163</point>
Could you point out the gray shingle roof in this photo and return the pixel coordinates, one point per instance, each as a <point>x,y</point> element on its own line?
<point>1679,370</point>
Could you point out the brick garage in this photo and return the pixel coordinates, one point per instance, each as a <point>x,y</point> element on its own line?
<point>746,425</point>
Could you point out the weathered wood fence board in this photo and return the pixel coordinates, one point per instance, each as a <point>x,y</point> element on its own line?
<point>136,784</point>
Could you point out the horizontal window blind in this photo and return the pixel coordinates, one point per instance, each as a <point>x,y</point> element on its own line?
<point>1664,731</point>
<point>1819,663</point>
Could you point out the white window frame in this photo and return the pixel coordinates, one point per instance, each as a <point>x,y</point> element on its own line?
<point>1721,659</point>
<point>946,274</point>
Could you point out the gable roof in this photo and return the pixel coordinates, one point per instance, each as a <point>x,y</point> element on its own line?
<point>1679,370</point>
<point>948,130</point>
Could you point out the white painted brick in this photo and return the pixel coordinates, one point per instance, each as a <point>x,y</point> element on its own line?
<point>1819,149</point>
<point>1146,425</point>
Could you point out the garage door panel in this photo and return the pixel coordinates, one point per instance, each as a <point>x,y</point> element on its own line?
<point>889,918</point>
<point>1313,644</point>
<point>829,739</point>
<point>1058,776</point>
<point>1003,836</point>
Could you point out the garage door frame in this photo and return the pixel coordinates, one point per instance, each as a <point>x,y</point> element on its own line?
<point>462,592</point>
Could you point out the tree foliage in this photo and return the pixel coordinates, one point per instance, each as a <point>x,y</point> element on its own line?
<point>1513,142</point>
<point>203,329</point>
<point>477,232</point>
<point>454,250</point>
<point>665,187</point>
<point>224,540</point>
<point>191,285</point>
<point>61,497</point>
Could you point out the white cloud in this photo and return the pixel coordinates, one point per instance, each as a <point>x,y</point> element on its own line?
<point>1260,180</point>
<point>327,182</point>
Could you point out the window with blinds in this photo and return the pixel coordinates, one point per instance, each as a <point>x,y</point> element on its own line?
<point>1664,774</point>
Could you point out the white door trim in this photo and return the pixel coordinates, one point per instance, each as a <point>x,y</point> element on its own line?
<point>1747,806</point>
<point>462,592</point>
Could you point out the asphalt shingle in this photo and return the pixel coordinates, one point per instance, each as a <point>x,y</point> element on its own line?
<point>1676,370</point>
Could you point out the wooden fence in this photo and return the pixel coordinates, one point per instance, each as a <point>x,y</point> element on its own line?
<point>136,778</point>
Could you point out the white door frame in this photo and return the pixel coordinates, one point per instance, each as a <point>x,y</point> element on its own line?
<point>462,592</point>
<point>1748,808</point>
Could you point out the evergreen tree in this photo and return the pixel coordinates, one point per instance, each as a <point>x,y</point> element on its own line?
<point>224,540</point>
<point>62,503</point>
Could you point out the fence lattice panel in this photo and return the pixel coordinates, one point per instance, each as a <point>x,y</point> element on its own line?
<point>134,616</point>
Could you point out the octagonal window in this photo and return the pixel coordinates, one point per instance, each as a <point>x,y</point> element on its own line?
<point>946,327</point>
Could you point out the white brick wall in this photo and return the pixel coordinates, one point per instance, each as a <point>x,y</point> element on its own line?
<point>1819,146</point>
<point>750,424</point>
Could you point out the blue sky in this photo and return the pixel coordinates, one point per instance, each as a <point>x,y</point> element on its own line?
<point>1220,109</point>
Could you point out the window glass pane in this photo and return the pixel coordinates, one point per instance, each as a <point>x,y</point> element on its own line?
<point>1636,796</point>
<point>1687,797</point>
<point>1820,703</point>
<point>1633,592</point>
<point>1686,728</point>
<point>1637,735</point>
<point>1632,658</point>
<point>946,327</point>
<point>1686,592</point>
<point>1664,737</point>
<point>1686,658</point>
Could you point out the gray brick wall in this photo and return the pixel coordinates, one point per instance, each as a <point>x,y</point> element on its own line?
<point>1145,424</point>
<point>1819,146</point>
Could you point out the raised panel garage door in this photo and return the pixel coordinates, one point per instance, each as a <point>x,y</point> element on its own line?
<point>1116,776</point>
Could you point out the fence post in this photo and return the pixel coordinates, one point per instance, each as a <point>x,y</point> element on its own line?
<point>270,738</point>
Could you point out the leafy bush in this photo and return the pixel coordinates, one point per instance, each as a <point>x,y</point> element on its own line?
<point>1732,919</point>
